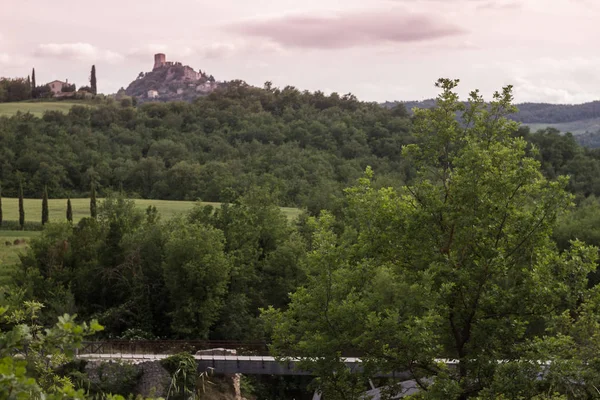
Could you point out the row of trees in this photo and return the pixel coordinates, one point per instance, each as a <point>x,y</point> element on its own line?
<point>45,210</point>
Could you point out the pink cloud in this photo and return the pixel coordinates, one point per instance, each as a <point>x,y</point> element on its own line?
<point>346,30</point>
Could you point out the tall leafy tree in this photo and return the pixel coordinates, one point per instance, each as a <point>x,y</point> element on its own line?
<point>194,258</point>
<point>93,80</point>
<point>459,264</point>
<point>33,84</point>
<point>21,207</point>
<point>69,210</point>
<point>93,205</point>
<point>45,213</point>
<point>1,216</point>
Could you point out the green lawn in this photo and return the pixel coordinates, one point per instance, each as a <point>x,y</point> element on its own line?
<point>81,208</point>
<point>36,108</point>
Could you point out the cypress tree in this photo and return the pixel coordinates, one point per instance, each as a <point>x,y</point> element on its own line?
<point>93,210</point>
<point>93,80</point>
<point>69,210</point>
<point>33,83</point>
<point>0,206</point>
<point>45,206</point>
<point>21,208</point>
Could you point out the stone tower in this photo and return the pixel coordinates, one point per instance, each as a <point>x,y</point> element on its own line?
<point>159,60</point>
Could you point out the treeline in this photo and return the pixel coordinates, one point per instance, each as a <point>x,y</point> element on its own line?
<point>305,147</point>
<point>15,89</point>
<point>21,89</point>
<point>12,225</point>
<point>530,113</point>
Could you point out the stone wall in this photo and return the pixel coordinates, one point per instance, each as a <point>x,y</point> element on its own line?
<point>154,381</point>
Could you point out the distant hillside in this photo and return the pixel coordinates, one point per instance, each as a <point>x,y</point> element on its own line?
<point>532,113</point>
<point>582,120</point>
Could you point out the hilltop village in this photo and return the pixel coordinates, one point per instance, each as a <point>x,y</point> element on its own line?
<point>170,80</point>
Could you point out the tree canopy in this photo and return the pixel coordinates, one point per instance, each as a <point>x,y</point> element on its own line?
<point>458,264</point>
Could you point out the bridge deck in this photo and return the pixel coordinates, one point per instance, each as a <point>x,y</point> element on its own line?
<point>231,364</point>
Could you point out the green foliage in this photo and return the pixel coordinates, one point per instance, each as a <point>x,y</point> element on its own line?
<point>458,264</point>
<point>93,205</point>
<point>1,214</point>
<point>303,147</point>
<point>93,82</point>
<point>184,373</point>
<point>13,225</point>
<point>33,85</point>
<point>45,213</point>
<point>116,378</point>
<point>18,89</point>
<point>195,272</point>
<point>266,255</point>
<point>28,351</point>
<point>69,210</point>
<point>21,207</point>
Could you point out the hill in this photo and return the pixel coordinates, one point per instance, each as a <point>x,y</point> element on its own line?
<point>302,147</point>
<point>582,120</point>
<point>170,81</point>
<point>533,113</point>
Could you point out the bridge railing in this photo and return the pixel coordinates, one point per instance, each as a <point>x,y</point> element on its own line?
<point>156,347</point>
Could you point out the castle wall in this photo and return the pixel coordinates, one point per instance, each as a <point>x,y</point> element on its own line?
<point>190,74</point>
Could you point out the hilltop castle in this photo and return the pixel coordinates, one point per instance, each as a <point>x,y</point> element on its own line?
<point>170,80</point>
<point>160,61</point>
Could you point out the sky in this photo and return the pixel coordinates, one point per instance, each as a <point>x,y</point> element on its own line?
<point>379,50</point>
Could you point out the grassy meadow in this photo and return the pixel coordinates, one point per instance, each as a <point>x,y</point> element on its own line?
<point>36,108</point>
<point>57,208</point>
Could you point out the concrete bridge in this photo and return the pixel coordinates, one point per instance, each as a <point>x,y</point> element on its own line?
<point>221,360</point>
<point>234,364</point>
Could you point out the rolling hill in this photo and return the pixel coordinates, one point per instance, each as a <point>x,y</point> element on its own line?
<point>582,120</point>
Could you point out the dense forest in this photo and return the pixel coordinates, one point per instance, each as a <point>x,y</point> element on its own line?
<point>303,147</point>
<point>423,237</point>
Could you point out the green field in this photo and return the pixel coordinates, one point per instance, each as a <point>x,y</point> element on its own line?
<point>36,108</point>
<point>9,253</point>
<point>81,208</point>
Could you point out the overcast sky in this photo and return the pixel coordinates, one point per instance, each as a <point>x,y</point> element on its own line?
<point>377,49</point>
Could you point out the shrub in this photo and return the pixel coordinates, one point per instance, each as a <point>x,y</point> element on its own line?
<point>12,225</point>
<point>183,370</point>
